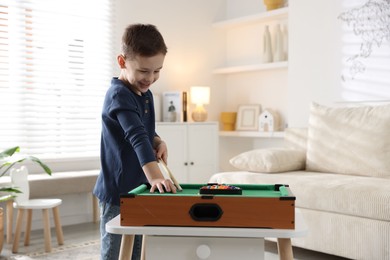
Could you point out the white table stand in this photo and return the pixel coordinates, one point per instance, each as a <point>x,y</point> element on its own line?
<point>212,243</point>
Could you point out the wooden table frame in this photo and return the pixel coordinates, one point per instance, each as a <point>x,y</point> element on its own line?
<point>283,235</point>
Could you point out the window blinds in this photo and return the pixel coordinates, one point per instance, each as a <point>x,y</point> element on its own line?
<point>55,66</point>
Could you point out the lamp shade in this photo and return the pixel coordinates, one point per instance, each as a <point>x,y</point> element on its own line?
<point>200,95</point>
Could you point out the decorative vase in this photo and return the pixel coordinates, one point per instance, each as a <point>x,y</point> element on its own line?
<point>228,120</point>
<point>273,4</point>
<point>285,42</point>
<point>267,46</point>
<point>278,45</point>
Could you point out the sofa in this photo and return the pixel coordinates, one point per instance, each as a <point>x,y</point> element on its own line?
<point>339,170</point>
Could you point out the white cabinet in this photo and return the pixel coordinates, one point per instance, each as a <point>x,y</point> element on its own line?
<point>192,150</point>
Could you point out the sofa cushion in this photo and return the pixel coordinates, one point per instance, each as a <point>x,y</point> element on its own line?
<point>349,140</point>
<point>343,194</point>
<point>270,160</point>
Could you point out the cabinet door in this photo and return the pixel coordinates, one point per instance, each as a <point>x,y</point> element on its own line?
<point>175,136</point>
<point>202,152</point>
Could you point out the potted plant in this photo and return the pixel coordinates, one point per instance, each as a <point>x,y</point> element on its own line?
<point>7,161</point>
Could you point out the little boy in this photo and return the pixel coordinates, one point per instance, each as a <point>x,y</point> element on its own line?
<point>129,143</point>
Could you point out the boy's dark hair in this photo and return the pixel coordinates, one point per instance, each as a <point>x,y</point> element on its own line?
<point>142,39</point>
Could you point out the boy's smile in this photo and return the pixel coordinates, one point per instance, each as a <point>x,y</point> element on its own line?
<point>140,72</point>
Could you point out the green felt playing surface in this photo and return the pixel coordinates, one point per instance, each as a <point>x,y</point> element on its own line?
<point>248,190</point>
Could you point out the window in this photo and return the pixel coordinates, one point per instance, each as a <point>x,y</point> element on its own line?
<point>55,66</point>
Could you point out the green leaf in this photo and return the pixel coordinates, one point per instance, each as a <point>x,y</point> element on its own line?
<point>6,197</point>
<point>44,166</point>
<point>9,152</point>
<point>7,163</point>
<point>9,189</point>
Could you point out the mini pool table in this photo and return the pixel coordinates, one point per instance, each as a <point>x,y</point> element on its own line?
<point>259,206</point>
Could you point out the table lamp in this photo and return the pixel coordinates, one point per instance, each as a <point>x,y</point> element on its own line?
<point>199,96</point>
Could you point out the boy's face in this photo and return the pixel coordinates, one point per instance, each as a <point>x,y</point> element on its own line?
<point>141,72</point>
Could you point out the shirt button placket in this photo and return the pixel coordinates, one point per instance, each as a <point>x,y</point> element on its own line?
<point>147,102</point>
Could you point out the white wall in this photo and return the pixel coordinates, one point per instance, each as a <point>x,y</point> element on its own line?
<point>314,56</point>
<point>235,8</point>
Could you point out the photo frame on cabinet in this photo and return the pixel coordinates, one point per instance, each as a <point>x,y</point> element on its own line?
<point>247,117</point>
<point>172,106</point>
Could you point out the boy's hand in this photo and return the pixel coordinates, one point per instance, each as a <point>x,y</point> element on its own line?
<point>157,179</point>
<point>161,149</point>
<point>162,185</point>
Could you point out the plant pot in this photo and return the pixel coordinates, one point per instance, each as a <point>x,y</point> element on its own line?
<point>228,120</point>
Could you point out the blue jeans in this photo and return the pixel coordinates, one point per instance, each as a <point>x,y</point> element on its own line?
<point>110,243</point>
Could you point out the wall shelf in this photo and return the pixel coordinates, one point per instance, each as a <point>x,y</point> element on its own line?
<point>251,134</point>
<point>252,67</point>
<point>273,15</point>
<point>263,17</point>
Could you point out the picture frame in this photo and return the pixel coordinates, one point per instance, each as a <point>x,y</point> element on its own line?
<point>172,106</point>
<point>247,117</point>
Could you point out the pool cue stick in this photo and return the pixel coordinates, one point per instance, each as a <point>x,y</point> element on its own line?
<point>171,175</point>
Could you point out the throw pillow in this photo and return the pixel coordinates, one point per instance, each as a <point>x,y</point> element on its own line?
<point>349,140</point>
<point>270,160</point>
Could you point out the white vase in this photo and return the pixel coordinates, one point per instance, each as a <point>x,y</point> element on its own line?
<point>278,44</point>
<point>285,42</point>
<point>267,46</point>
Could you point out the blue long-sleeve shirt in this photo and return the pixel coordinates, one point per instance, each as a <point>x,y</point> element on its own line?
<point>128,130</point>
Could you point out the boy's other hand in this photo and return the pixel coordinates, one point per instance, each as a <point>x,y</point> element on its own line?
<point>162,185</point>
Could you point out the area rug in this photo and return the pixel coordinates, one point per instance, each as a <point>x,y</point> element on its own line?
<point>89,250</point>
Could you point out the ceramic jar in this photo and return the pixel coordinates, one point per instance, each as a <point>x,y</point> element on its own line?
<point>228,120</point>
<point>278,54</point>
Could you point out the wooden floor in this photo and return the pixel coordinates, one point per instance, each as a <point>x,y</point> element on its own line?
<point>90,231</point>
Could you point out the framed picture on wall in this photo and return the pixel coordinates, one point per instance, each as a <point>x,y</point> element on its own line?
<point>247,117</point>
